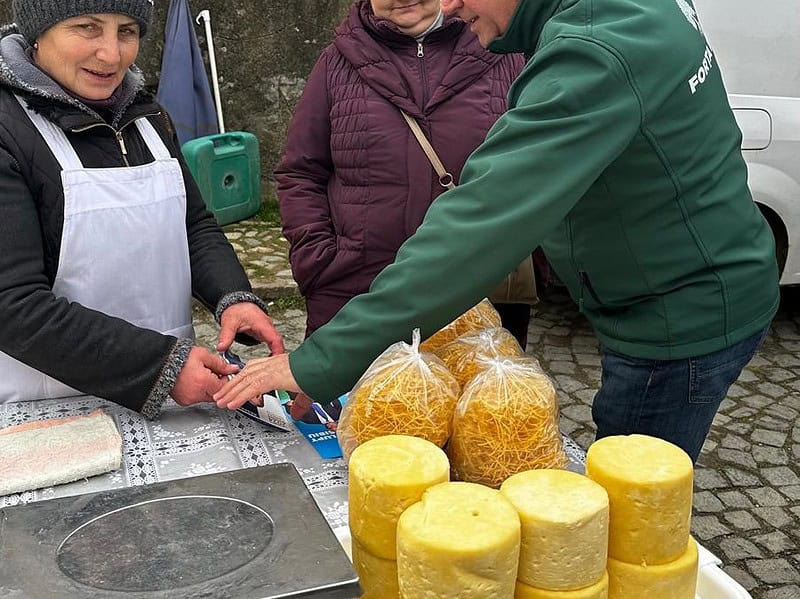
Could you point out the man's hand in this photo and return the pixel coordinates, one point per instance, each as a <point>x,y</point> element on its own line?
<point>199,378</point>
<point>257,377</point>
<point>246,317</point>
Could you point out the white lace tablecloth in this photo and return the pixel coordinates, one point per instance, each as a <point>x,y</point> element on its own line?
<point>194,441</point>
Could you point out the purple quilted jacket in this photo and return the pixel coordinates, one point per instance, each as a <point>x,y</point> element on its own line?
<point>353,183</point>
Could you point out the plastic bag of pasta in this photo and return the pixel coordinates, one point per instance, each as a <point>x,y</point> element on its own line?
<point>481,316</point>
<point>506,421</point>
<point>469,354</point>
<point>404,392</point>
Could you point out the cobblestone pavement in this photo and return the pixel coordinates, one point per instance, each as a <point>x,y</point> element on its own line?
<point>747,481</point>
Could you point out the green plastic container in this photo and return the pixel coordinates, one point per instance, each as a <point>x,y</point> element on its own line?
<point>227,170</point>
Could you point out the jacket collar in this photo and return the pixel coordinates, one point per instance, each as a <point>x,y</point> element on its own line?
<point>525,27</point>
<point>369,44</point>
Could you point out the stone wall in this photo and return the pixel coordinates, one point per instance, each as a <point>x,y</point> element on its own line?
<point>264,52</point>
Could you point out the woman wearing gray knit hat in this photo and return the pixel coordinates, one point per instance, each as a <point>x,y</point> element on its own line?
<point>104,236</point>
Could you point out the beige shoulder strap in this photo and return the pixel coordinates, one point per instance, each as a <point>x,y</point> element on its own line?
<point>445,178</point>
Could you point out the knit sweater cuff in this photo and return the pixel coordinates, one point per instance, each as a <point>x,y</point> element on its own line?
<point>166,380</point>
<point>238,297</point>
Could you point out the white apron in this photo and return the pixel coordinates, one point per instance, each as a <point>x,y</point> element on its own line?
<point>124,249</point>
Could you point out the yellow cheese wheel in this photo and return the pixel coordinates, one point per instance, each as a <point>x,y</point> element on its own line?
<point>674,580</point>
<point>460,541</point>
<point>564,519</point>
<point>598,590</point>
<point>378,577</point>
<point>388,474</point>
<point>649,485</point>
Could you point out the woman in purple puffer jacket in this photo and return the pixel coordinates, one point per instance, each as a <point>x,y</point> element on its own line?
<point>354,182</point>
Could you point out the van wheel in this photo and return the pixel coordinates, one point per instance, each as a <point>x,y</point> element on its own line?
<point>780,234</point>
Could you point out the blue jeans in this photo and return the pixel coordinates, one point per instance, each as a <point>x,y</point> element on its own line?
<point>675,400</point>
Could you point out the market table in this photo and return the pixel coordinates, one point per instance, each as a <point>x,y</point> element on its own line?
<point>199,440</point>
<point>193,441</point>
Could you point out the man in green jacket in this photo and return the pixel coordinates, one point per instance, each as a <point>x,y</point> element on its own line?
<point>620,155</point>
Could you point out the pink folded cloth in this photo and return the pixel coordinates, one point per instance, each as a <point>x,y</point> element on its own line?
<point>51,452</point>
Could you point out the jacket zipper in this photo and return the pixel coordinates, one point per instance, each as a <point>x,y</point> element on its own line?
<point>117,134</point>
<point>423,70</point>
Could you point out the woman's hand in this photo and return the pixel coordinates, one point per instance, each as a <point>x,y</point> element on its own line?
<point>199,378</point>
<point>246,317</point>
<point>257,377</point>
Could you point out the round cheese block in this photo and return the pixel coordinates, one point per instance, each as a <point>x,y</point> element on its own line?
<point>460,541</point>
<point>598,590</point>
<point>378,577</point>
<point>674,580</point>
<point>564,519</point>
<point>649,485</point>
<point>388,474</point>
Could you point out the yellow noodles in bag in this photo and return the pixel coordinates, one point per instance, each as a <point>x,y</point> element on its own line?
<point>481,316</point>
<point>506,421</point>
<point>404,392</point>
<point>468,355</point>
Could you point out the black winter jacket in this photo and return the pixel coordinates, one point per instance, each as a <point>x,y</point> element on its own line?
<point>90,351</point>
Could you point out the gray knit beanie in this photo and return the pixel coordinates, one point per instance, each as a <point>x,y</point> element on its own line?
<point>34,17</point>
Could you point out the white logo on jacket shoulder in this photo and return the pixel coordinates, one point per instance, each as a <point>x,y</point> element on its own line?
<point>699,78</point>
<point>690,14</point>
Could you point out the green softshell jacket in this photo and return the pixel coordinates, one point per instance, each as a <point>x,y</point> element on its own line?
<point>619,154</point>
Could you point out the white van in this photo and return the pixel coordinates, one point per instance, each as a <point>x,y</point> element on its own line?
<point>757,45</point>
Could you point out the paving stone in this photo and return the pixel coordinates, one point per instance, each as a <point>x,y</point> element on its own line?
<point>735,442</point>
<point>740,428</point>
<point>567,426</point>
<point>743,412</point>
<point>706,501</point>
<point>740,478</point>
<point>737,457</point>
<point>777,375</point>
<point>792,493</point>
<point>578,412</point>
<point>774,571</point>
<point>743,577</point>
<point>741,520</point>
<point>565,332</point>
<point>775,516</point>
<point>769,437</point>
<point>704,478</point>
<point>735,499</point>
<point>585,396</point>
<point>774,542</point>
<point>747,376</point>
<point>587,359</point>
<point>766,497</point>
<point>736,548</point>
<point>781,411</point>
<point>781,476</point>
<point>708,527</point>
<point>568,384</point>
<point>784,592</point>
<point>772,423</point>
<point>757,401</point>
<point>560,367</point>
<point>764,454</point>
<point>771,389</point>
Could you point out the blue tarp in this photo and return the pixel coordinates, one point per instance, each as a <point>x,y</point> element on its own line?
<point>183,88</point>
